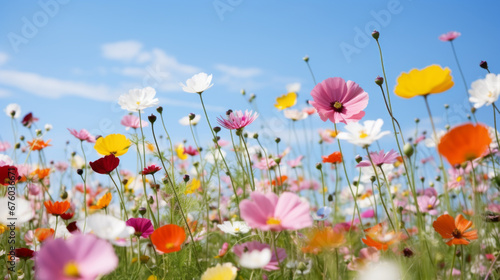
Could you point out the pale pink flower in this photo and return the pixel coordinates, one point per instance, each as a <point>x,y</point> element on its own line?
<point>268,212</point>
<point>237,119</point>
<point>273,264</point>
<point>428,204</point>
<point>380,158</point>
<point>265,163</point>
<point>4,146</point>
<point>82,135</point>
<point>132,121</point>
<point>339,101</point>
<point>295,162</point>
<point>61,166</point>
<point>450,36</point>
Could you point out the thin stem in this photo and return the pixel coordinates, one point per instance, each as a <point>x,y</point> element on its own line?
<point>311,71</point>
<point>453,262</point>
<point>249,161</point>
<point>84,185</point>
<point>120,195</point>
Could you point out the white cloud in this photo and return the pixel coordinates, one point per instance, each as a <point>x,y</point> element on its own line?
<point>124,50</point>
<point>5,92</point>
<point>54,88</point>
<point>238,72</point>
<point>3,58</point>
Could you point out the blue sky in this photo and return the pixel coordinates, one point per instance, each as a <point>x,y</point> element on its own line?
<point>68,61</point>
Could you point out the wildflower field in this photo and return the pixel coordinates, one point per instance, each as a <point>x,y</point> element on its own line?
<point>242,203</point>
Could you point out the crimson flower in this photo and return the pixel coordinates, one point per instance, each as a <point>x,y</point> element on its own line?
<point>105,165</point>
<point>67,216</point>
<point>28,120</point>
<point>24,253</point>
<point>7,174</point>
<point>150,170</point>
<point>190,151</point>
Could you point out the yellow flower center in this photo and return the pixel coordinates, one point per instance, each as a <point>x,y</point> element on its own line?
<point>237,229</point>
<point>429,206</point>
<point>273,221</point>
<point>71,269</point>
<point>490,94</point>
<point>362,134</point>
<point>459,178</point>
<point>169,246</point>
<point>138,102</point>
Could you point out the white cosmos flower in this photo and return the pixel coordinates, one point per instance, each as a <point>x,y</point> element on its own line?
<point>234,228</point>
<point>22,211</point>
<point>13,110</point>
<point>138,99</point>
<point>185,120</point>
<point>382,270</point>
<point>363,134</point>
<point>48,127</point>
<point>107,227</point>
<point>77,162</point>
<point>431,142</point>
<point>294,114</point>
<point>5,160</point>
<point>485,91</point>
<point>294,87</point>
<point>255,258</point>
<point>213,155</point>
<point>198,83</point>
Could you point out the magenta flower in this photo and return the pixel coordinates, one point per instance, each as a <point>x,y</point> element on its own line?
<point>82,135</point>
<point>256,245</point>
<point>428,204</point>
<point>450,36</point>
<point>268,212</point>
<point>191,151</point>
<point>380,158</point>
<point>132,121</point>
<point>82,257</point>
<point>338,101</point>
<point>150,170</point>
<point>142,226</point>
<point>237,119</point>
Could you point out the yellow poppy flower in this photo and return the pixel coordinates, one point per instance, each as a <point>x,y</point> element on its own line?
<point>286,101</point>
<point>431,79</point>
<point>103,202</point>
<point>192,186</point>
<point>180,152</point>
<point>116,144</point>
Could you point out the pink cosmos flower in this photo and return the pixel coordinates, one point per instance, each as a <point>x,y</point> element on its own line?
<point>428,204</point>
<point>265,163</point>
<point>4,146</point>
<point>268,212</point>
<point>380,158</point>
<point>191,151</point>
<point>132,121</point>
<point>142,226</point>
<point>82,257</point>
<point>338,101</point>
<point>295,162</point>
<point>83,135</point>
<point>450,36</point>
<point>61,166</point>
<point>256,245</point>
<point>237,119</point>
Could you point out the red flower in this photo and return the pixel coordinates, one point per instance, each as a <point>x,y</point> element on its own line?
<point>24,253</point>
<point>150,170</point>
<point>335,157</point>
<point>105,165</point>
<point>67,216</point>
<point>8,175</point>
<point>28,120</point>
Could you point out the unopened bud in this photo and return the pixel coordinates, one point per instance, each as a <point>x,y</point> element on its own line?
<point>306,58</point>
<point>358,158</point>
<point>373,178</point>
<point>379,80</point>
<point>159,110</point>
<point>277,140</point>
<point>243,92</point>
<point>142,211</point>
<point>483,64</point>
<point>186,178</point>
<point>152,118</point>
<point>255,136</point>
<point>446,106</point>
<point>216,129</point>
<point>319,166</point>
<point>375,34</point>
<point>79,171</point>
<point>408,149</point>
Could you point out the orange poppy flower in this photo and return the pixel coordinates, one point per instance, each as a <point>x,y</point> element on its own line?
<point>280,181</point>
<point>379,237</point>
<point>41,173</point>
<point>454,229</point>
<point>168,238</point>
<point>335,157</point>
<point>57,208</point>
<point>103,202</point>
<point>464,143</point>
<point>38,144</point>
<point>43,233</point>
<point>324,239</point>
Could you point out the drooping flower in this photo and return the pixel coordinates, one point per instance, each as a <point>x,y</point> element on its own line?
<point>450,36</point>
<point>168,238</point>
<point>222,251</point>
<point>335,157</point>
<point>234,228</point>
<point>455,230</point>
<point>82,135</point>
<point>380,237</point>
<point>464,143</point>
<point>237,119</point>
<point>363,134</point>
<point>82,257</point>
<point>142,226</point>
<point>57,208</point>
<point>105,165</point>
<point>485,91</point>
<point>28,120</point>
<point>225,271</point>
<point>268,212</point>
<point>324,239</point>
<point>150,170</point>
<point>132,121</point>
<point>13,110</point>
<point>103,202</point>
<point>198,83</point>
<point>286,101</point>
<point>253,255</point>
<point>432,79</point>
<point>115,144</point>
<point>380,158</point>
<point>138,99</point>
<point>294,114</point>
<point>38,144</point>
<point>339,101</point>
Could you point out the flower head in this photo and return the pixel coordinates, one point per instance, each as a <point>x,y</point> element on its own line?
<point>57,208</point>
<point>270,212</point>
<point>237,119</point>
<point>198,83</point>
<point>363,134</point>
<point>456,230</point>
<point>450,36</point>
<point>295,115</point>
<point>179,150</point>
<point>113,144</point>
<point>339,101</point>
<point>325,239</point>
<point>380,158</point>
<point>107,227</point>
<point>234,228</point>
<point>150,170</point>
<point>335,157</point>
<point>82,257</point>
<point>220,272</point>
<point>105,165</point>
<point>28,120</point>
<point>464,143</point>
<point>24,253</point>
<point>103,202</point>
<point>38,144</point>
<point>82,135</point>
<point>8,175</point>
<point>380,237</point>
<point>142,226</point>
<point>168,238</point>
<point>138,99</point>
<point>431,79</point>
<point>286,101</point>
<point>132,121</point>
<point>428,204</point>
<point>13,110</point>
<point>485,91</point>
<point>254,254</point>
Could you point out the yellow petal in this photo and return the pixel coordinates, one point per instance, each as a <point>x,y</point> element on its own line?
<point>286,101</point>
<point>432,79</point>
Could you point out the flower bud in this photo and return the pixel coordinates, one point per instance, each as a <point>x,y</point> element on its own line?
<point>191,116</point>
<point>379,80</point>
<point>408,149</point>
<point>255,136</point>
<point>152,118</point>
<point>79,171</point>
<point>306,58</point>
<point>159,110</point>
<point>142,211</point>
<point>373,178</point>
<point>473,110</point>
<point>64,195</point>
<point>21,138</point>
<point>330,198</point>
<point>447,127</point>
<point>252,97</point>
<point>17,146</point>
<point>243,92</point>
<point>417,120</point>
<point>319,166</point>
<point>185,178</point>
<point>358,158</point>
<point>277,160</point>
<point>277,140</point>
<point>407,252</point>
<point>483,64</point>
<point>446,106</point>
<point>375,34</point>
<point>228,112</point>
<point>216,129</point>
